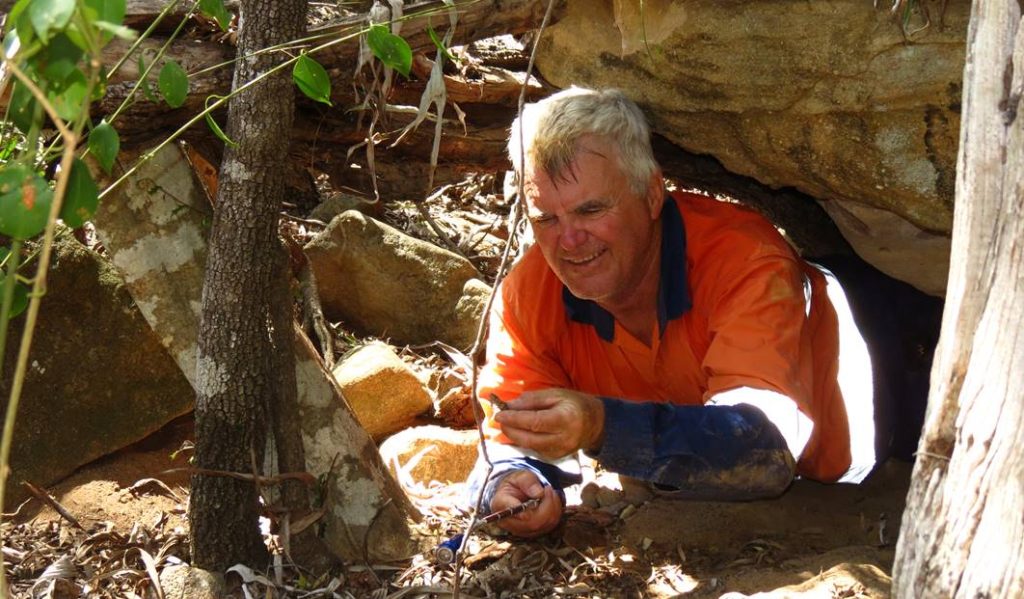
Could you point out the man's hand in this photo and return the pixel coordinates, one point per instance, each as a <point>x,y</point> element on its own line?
<point>518,487</point>
<point>554,422</point>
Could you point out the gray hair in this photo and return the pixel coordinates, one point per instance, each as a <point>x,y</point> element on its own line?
<point>552,129</point>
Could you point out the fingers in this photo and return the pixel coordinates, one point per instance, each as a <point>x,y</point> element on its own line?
<point>550,446</point>
<point>536,521</point>
<point>536,400</point>
<point>535,421</point>
<point>516,488</point>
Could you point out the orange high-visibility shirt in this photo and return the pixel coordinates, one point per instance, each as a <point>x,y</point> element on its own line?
<point>732,313</point>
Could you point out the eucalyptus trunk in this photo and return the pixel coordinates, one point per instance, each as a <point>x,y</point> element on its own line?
<point>242,352</point>
<point>963,530</point>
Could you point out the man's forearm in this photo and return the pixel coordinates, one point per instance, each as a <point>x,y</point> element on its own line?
<point>701,452</point>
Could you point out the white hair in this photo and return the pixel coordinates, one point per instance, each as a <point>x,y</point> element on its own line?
<point>551,130</point>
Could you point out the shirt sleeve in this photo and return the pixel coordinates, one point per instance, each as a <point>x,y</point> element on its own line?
<point>699,452</point>
<point>794,426</point>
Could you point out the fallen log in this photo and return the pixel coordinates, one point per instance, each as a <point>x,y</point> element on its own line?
<point>477,19</point>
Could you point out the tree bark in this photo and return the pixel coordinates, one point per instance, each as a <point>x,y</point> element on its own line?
<point>238,364</point>
<point>963,530</point>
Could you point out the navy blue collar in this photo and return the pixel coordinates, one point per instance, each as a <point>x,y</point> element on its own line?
<point>673,292</point>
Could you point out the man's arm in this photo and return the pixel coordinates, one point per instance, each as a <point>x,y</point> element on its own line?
<point>702,452</point>
<point>709,452</point>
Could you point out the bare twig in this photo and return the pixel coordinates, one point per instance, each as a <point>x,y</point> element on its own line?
<point>50,501</point>
<point>478,343</point>
<point>17,512</point>
<point>303,477</point>
<point>315,312</point>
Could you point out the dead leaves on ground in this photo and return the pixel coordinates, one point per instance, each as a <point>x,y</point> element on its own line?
<point>50,559</point>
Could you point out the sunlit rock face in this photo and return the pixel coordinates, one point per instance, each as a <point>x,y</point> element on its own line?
<point>832,98</point>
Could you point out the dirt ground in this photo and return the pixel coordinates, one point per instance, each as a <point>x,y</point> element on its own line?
<point>816,540</point>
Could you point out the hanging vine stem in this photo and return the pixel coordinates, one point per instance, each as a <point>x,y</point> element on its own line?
<point>144,76</point>
<point>70,137</point>
<point>518,212</point>
<point>223,100</point>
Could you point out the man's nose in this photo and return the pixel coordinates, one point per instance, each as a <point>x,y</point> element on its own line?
<point>572,236</point>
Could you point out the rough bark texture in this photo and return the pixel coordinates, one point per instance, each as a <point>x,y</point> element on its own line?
<point>963,531</point>
<point>237,376</point>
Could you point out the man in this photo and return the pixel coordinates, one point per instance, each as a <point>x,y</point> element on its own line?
<point>675,338</point>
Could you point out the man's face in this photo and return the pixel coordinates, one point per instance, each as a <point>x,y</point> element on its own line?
<point>598,236</point>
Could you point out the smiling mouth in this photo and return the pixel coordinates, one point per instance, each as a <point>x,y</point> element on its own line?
<point>583,260</point>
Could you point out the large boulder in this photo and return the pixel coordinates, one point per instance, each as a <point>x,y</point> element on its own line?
<point>98,377</point>
<point>383,282</point>
<point>382,390</point>
<point>828,97</point>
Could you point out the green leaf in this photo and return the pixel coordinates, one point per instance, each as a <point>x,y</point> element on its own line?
<point>77,38</point>
<point>173,84</point>
<point>68,99</point>
<point>312,79</point>
<point>8,149</point>
<point>146,90</point>
<point>47,15</point>
<point>16,11</point>
<point>20,300</point>
<point>81,198</point>
<point>25,200</point>
<point>391,49</point>
<point>125,33</point>
<point>215,10</point>
<point>22,22</point>
<point>59,59</point>
<point>439,43</point>
<point>108,11</point>
<point>214,126</point>
<point>22,108</point>
<point>105,143</point>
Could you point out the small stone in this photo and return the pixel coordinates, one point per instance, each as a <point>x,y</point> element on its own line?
<point>588,496</point>
<point>384,392</point>
<point>608,497</point>
<point>635,491</point>
<point>455,408</point>
<point>194,583</point>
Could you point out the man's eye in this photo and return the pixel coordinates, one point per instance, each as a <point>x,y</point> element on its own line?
<point>591,210</point>
<point>542,220</point>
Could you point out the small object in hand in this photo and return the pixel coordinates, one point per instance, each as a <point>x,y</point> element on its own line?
<point>529,504</point>
<point>496,402</point>
<point>445,552</point>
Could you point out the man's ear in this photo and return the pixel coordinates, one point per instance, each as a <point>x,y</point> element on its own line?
<point>655,193</point>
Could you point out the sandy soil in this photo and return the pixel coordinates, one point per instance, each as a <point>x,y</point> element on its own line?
<point>815,541</point>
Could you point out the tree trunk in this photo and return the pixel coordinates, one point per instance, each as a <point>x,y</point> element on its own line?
<point>238,363</point>
<point>963,530</point>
